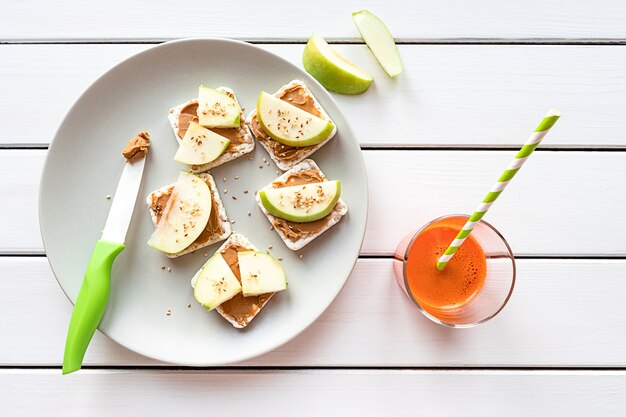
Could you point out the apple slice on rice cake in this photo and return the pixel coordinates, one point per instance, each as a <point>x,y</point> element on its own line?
<point>214,228</point>
<point>239,137</point>
<point>304,213</point>
<point>238,281</point>
<point>295,95</point>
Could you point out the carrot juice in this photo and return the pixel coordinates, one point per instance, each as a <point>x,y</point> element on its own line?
<point>475,284</point>
<point>460,280</point>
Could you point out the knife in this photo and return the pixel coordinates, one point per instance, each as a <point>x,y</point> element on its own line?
<point>94,292</point>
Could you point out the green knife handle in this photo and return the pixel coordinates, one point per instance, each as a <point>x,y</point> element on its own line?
<point>90,304</point>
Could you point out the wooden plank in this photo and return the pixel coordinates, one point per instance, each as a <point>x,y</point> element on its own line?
<point>546,211</point>
<point>293,19</point>
<point>450,95</point>
<point>312,393</point>
<point>20,172</point>
<point>563,313</point>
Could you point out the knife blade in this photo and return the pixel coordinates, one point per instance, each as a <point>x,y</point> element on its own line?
<point>121,210</point>
<point>94,291</point>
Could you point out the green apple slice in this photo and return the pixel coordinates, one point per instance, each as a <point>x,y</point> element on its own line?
<point>217,109</point>
<point>200,146</point>
<point>289,124</point>
<point>260,273</point>
<point>216,283</point>
<point>185,215</point>
<point>332,70</point>
<point>302,203</point>
<point>379,40</point>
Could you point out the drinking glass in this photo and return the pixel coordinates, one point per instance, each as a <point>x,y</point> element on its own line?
<point>497,287</point>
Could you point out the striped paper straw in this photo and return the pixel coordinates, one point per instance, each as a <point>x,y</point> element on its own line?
<point>544,127</point>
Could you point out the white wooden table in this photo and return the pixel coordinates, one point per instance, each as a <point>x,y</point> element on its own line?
<point>559,347</point>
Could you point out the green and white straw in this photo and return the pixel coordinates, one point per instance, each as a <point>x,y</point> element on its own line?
<point>544,127</point>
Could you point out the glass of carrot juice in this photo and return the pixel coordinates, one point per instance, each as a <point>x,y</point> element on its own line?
<point>475,284</point>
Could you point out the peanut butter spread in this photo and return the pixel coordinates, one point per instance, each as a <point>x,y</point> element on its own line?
<point>188,114</point>
<point>137,147</point>
<point>213,226</point>
<point>293,230</point>
<point>240,308</point>
<point>297,96</point>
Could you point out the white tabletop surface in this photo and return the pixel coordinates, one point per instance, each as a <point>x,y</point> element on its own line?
<point>478,76</point>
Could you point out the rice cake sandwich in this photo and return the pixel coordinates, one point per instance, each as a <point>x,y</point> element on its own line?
<point>238,281</point>
<point>291,125</point>
<point>188,215</point>
<point>302,204</point>
<point>218,112</point>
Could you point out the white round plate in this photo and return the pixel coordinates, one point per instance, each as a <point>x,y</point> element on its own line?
<point>84,164</point>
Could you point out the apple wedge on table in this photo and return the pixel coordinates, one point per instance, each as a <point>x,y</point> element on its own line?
<point>380,41</point>
<point>332,70</point>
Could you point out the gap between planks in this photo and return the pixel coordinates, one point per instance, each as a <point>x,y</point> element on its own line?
<point>416,147</point>
<point>373,256</point>
<point>267,369</point>
<point>337,41</point>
